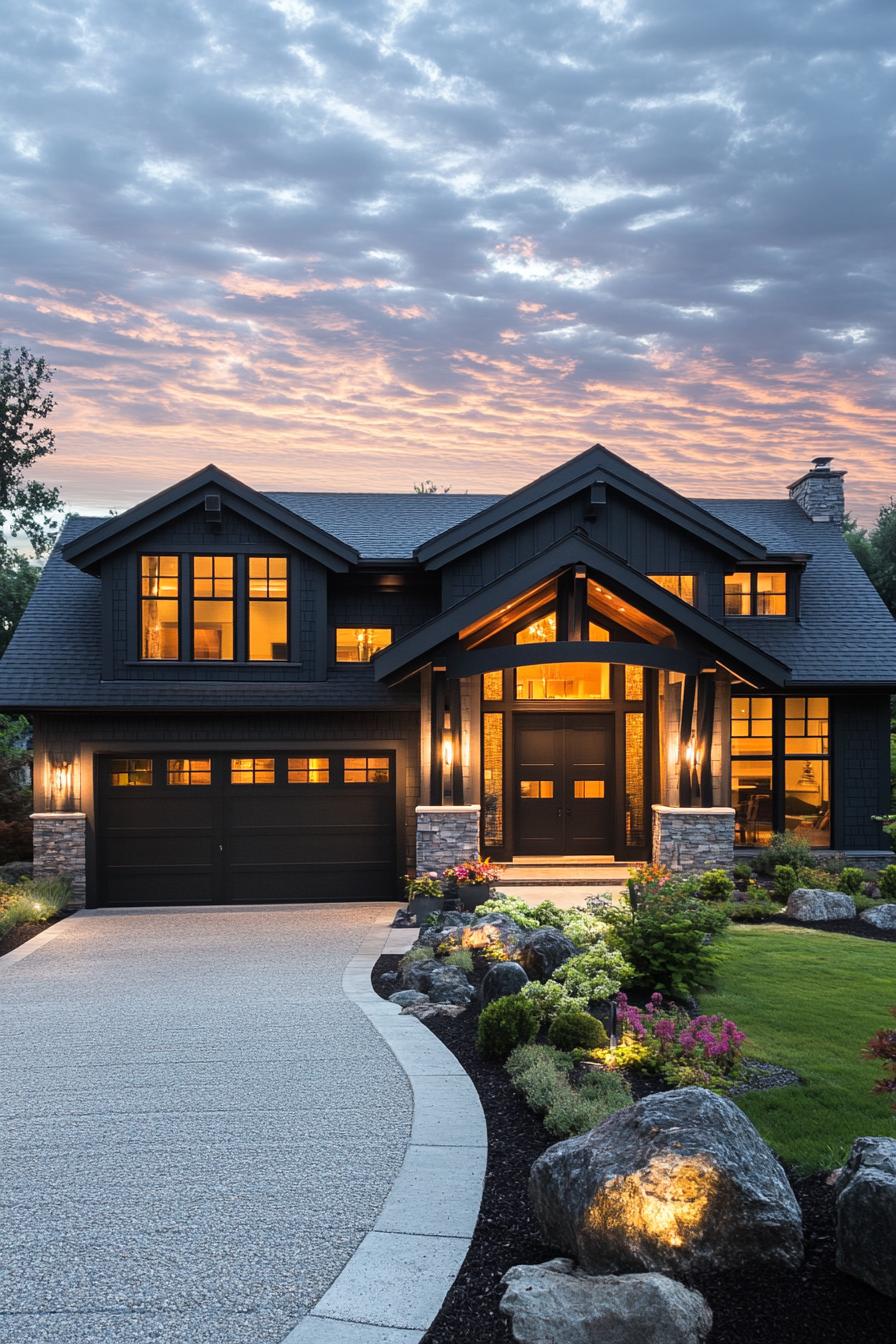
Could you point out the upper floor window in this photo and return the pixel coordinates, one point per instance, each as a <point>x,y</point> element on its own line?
<point>756,593</point>
<point>213,604</point>
<point>159,606</point>
<point>358,644</point>
<point>268,609</point>
<point>680,585</point>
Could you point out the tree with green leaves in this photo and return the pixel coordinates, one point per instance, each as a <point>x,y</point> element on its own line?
<point>875,550</point>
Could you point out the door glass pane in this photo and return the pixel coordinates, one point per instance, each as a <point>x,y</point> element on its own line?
<point>563,681</point>
<point>130,772</point>
<point>751,798</point>
<point>737,594</point>
<point>634,682</point>
<point>492,685</point>
<point>588,788</point>
<point>493,779</point>
<point>807,802</point>
<point>634,780</point>
<point>267,632</point>
<point>212,629</point>
<point>536,788</point>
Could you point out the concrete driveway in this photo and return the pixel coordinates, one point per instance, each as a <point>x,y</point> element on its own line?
<point>199,1127</point>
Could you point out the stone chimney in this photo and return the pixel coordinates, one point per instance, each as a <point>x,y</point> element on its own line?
<point>820,492</point>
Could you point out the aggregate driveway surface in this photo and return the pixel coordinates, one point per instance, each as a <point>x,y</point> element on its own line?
<point>199,1126</point>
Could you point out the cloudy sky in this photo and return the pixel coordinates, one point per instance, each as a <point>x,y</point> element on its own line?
<point>358,243</point>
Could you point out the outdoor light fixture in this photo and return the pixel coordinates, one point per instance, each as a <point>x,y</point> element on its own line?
<point>447,750</point>
<point>60,781</point>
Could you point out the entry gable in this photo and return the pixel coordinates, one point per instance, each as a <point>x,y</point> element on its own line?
<point>596,469</point>
<point>210,488</point>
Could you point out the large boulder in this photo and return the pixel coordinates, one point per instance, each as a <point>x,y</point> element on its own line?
<point>680,1182</point>
<point>487,930</point>
<point>866,1214</point>
<point>556,1303</point>
<point>812,904</point>
<point>543,950</point>
<point>448,984</point>
<point>405,997</point>
<point>505,977</point>
<point>415,974</point>
<point>881,916</point>
<point>448,921</point>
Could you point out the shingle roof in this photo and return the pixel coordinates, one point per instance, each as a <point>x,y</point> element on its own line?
<point>381,526</point>
<point>845,632</point>
<point>845,636</point>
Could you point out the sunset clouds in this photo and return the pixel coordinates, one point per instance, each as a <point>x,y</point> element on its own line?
<point>357,244</point>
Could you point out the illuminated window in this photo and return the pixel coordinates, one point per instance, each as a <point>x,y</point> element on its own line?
<point>268,607</point>
<point>536,788</point>
<point>542,631</point>
<point>213,607</point>
<point>751,725</point>
<point>366,770</point>
<point>159,606</point>
<point>493,779</point>
<point>634,682</point>
<point>588,788</point>
<point>597,634</point>
<point>634,780</point>
<point>492,685</point>
<point>751,798</point>
<point>308,770</point>
<point>762,593</point>
<point>807,792</point>
<point>806,725</point>
<point>130,772</point>
<point>563,681</point>
<point>358,644</point>
<point>680,585</point>
<point>252,770</point>
<point>190,770</point>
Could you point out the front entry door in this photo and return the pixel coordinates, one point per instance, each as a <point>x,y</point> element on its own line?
<point>563,780</point>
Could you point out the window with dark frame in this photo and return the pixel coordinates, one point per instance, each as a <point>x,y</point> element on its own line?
<point>308,770</point>
<point>213,608</point>
<point>252,770</point>
<point>366,770</point>
<point>129,772</point>
<point>780,768</point>
<point>359,643</point>
<point>189,771</point>
<point>268,609</point>
<point>756,593</point>
<point>159,607</point>
<point>680,585</point>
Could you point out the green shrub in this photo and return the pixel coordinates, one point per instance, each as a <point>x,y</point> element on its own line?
<point>785,882</point>
<point>595,974</point>
<point>819,877</point>
<point>668,941</point>
<point>513,907</point>
<point>742,872</point>
<point>543,1078</point>
<point>551,998</point>
<point>462,959</point>
<point>572,1029</point>
<point>887,882</point>
<point>784,847</point>
<point>585,928</point>
<point>30,902</point>
<point>505,1024</point>
<point>417,954</point>
<point>753,912</point>
<point>715,885</point>
<point>548,915</point>
<point>524,1056</point>
<point>862,902</point>
<point>576,1110</point>
<point>851,880</point>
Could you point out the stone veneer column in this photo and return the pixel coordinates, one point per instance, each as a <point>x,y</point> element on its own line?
<point>60,849</point>
<point>446,835</point>
<point>692,839</point>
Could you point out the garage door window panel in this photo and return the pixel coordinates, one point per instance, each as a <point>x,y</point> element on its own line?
<point>252,770</point>
<point>308,770</point>
<point>130,772</point>
<point>189,771</point>
<point>366,770</point>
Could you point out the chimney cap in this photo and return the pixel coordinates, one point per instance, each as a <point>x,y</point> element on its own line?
<point>821,463</point>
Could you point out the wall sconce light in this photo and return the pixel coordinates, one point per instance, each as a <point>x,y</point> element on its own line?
<point>60,782</point>
<point>690,753</point>
<point>447,750</point>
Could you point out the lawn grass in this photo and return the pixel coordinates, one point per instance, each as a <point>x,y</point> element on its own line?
<point>810,1000</point>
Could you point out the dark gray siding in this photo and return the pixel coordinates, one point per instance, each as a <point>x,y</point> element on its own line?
<point>860,769</point>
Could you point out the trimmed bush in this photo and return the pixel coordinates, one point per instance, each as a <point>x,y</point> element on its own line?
<point>595,974</point>
<point>786,848</point>
<point>417,954</point>
<point>549,915</point>
<point>505,1024</point>
<point>887,882</point>
<point>517,910</point>
<point>576,1110</point>
<point>715,885</point>
<point>851,880</point>
<point>753,912</point>
<point>668,941</point>
<point>785,881</point>
<point>572,1029</point>
<point>551,998</point>
<point>462,959</point>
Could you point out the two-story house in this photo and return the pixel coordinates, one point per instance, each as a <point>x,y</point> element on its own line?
<point>265,696</point>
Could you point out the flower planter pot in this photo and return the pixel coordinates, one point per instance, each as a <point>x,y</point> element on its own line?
<point>472,894</point>
<point>421,907</point>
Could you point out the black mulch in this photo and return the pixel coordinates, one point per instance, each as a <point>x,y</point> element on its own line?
<point>22,932</point>
<point>813,1305</point>
<point>859,928</point>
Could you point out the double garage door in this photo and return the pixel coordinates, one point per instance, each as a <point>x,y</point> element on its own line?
<point>195,827</point>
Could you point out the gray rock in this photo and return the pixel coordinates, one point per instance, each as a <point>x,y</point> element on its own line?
<point>497,928</point>
<point>543,950</point>
<point>811,904</point>
<point>448,984</point>
<point>556,1303</point>
<point>881,916</point>
<point>866,1214</point>
<point>448,921</point>
<point>416,974</point>
<point>680,1182</point>
<point>426,1010</point>
<point>388,979</point>
<point>405,997</point>
<point>505,977</point>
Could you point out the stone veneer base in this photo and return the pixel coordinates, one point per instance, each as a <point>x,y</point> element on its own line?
<point>692,839</point>
<point>446,835</point>
<point>60,849</point>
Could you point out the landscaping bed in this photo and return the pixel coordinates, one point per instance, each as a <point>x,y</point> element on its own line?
<point>813,1304</point>
<point>23,932</point>
<point>856,928</point>
<point>27,907</point>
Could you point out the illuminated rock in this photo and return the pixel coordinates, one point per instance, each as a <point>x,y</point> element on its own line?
<point>811,904</point>
<point>866,1214</point>
<point>543,950</point>
<point>681,1182</point>
<point>556,1303</point>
